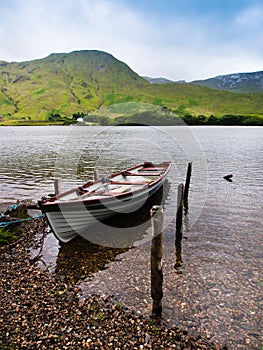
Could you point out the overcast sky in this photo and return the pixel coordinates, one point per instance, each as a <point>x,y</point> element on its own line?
<point>175,39</point>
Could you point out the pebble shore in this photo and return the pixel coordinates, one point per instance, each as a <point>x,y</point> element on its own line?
<point>39,310</point>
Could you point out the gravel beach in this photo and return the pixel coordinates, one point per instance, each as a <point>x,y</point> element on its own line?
<point>39,310</point>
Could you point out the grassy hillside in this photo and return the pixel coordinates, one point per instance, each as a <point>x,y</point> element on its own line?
<point>79,83</point>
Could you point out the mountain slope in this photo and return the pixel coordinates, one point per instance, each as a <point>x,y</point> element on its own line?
<point>81,82</point>
<point>63,83</point>
<point>239,82</point>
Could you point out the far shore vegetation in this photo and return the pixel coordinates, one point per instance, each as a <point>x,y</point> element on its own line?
<point>144,118</point>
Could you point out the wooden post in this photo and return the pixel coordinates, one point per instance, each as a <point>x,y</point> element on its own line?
<point>180,203</point>
<point>179,222</point>
<point>96,174</point>
<point>178,254</point>
<point>187,185</point>
<point>156,260</point>
<point>57,186</point>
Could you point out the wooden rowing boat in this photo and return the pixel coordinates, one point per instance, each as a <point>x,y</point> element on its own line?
<point>70,213</point>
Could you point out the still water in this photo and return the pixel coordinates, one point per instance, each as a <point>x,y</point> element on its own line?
<point>219,288</point>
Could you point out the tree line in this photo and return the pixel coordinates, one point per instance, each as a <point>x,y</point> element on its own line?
<point>150,118</point>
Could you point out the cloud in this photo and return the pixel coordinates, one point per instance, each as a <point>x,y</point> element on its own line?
<point>249,26</point>
<point>32,29</point>
<point>41,27</point>
<point>161,43</point>
<point>251,17</point>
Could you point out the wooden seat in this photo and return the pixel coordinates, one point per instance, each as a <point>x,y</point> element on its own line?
<point>144,174</point>
<point>129,183</point>
<point>153,169</point>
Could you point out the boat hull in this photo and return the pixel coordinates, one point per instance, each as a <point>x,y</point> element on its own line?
<point>71,218</point>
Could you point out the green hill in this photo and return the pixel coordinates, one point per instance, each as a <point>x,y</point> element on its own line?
<point>62,85</point>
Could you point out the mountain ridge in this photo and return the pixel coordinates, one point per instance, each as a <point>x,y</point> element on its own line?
<point>81,82</point>
<point>239,82</point>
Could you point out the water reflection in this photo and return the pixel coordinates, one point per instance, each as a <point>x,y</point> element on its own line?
<point>178,252</point>
<point>81,258</point>
<point>127,230</point>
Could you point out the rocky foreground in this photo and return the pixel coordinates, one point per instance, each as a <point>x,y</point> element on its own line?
<point>38,310</point>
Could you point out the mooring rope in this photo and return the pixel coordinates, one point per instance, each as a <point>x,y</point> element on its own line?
<point>15,206</point>
<point>12,206</point>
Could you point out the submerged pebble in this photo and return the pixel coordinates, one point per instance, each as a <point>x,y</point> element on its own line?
<point>41,310</point>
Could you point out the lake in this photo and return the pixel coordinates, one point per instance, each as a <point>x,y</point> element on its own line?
<point>218,290</point>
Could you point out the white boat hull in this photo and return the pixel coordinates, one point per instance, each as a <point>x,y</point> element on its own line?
<point>70,218</point>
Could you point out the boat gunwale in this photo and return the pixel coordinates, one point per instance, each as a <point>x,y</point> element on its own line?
<point>51,204</point>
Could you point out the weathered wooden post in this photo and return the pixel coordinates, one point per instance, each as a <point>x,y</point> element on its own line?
<point>180,204</point>
<point>156,260</point>
<point>57,186</point>
<point>187,185</point>
<point>179,222</point>
<point>96,174</point>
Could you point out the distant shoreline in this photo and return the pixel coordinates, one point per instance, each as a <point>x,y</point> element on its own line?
<point>144,119</point>
<point>154,125</point>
